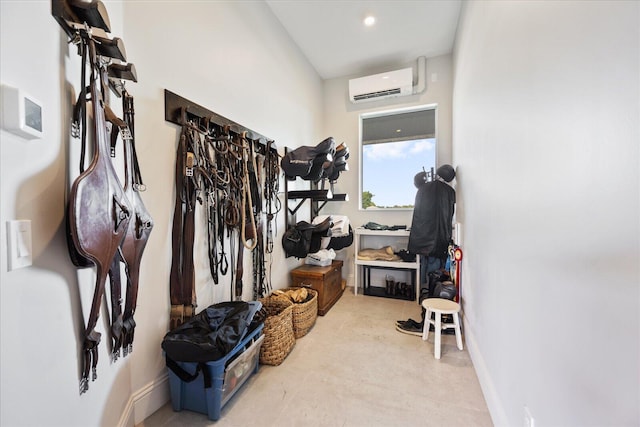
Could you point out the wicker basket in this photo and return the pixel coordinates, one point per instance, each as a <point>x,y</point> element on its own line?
<point>278,331</point>
<point>304,313</point>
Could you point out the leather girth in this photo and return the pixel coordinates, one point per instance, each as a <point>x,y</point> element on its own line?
<point>135,240</point>
<point>182,275</point>
<point>98,214</point>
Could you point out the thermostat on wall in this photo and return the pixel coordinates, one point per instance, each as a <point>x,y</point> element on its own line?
<point>21,113</point>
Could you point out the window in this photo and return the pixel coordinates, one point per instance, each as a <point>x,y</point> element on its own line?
<point>394,146</point>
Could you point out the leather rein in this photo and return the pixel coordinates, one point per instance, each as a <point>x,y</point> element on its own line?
<point>223,177</point>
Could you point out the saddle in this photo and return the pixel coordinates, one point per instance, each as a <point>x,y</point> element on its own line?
<point>304,238</point>
<point>339,163</point>
<point>309,162</point>
<point>341,232</point>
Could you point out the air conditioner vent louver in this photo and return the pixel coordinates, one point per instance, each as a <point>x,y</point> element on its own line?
<point>377,94</point>
<point>381,86</point>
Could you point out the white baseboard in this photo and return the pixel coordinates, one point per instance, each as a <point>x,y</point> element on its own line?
<point>146,401</point>
<point>494,403</point>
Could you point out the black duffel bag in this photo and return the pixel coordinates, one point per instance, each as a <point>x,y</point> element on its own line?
<point>446,290</point>
<point>211,334</point>
<point>440,286</point>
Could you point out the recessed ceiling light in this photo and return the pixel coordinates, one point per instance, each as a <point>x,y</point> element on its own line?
<point>369,20</point>
<point>398,130</point>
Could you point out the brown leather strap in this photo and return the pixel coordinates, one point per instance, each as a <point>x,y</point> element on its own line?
<point>116,306</point>
<point>239,269</point>
<point>177,228</point>
<point>79,122</point>
<point>180,313</point>
<point>182,276</point>
<point>139,229</point>
<point>248,229</point>
<point>115,282</point>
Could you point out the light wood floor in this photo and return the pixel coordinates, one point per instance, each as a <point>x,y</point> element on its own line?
<point>354,369</point>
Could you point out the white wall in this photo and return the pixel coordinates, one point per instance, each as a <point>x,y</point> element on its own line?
<point>231,57</point>
<point>342,121</point>
<point>546,130</point>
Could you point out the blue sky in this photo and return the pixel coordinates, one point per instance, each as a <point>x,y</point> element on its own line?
<point>388,169</point>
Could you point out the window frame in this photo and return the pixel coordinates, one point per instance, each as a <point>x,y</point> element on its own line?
<point>368,115</point>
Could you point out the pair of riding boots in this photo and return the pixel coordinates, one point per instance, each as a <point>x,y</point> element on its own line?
<point>394,288</point>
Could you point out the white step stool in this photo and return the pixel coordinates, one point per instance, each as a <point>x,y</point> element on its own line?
<point>441,306</point>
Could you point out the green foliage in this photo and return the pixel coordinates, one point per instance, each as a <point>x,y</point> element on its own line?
<point>367,199</point>
<point>367,202</point>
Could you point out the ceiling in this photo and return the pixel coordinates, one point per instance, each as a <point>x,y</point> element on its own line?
<point>331,33</point>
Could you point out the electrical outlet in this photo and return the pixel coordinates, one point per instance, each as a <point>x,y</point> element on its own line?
<point>528,418</point>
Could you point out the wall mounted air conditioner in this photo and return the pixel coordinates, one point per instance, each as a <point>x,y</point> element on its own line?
<point>381,86</point>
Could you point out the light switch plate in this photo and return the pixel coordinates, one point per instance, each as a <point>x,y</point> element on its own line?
<point>19,249</point>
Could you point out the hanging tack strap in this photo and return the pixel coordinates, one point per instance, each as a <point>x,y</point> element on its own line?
<point>116,306</point>
<point>182,274</point>
<point>79,116</point>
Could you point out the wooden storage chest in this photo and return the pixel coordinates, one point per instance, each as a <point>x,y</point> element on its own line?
<point>327,281</point>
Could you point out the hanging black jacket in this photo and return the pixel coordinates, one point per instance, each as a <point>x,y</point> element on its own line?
<point>432,216</point>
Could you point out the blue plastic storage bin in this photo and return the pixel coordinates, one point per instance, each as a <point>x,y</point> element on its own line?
<point>227,377</point>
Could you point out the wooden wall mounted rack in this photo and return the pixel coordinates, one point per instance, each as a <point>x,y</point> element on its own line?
<point>178,109</point>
